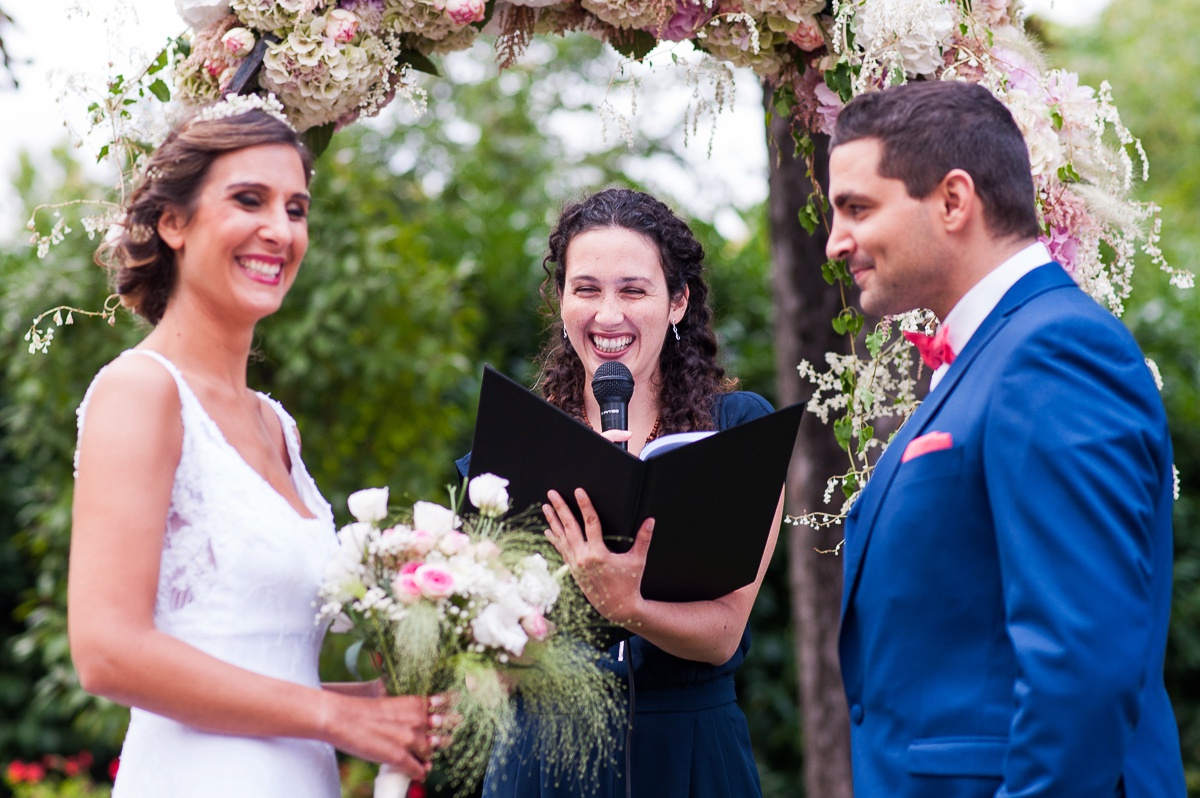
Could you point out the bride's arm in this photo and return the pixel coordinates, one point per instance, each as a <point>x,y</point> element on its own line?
<point>704,631</point>
<point>129,449</point>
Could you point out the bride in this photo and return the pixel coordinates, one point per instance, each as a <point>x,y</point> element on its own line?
<point>198,538</point>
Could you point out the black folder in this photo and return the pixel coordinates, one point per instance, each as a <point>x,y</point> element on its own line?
<point>713,500</point>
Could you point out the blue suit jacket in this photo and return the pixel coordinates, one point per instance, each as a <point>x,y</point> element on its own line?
<point>1006,599</point>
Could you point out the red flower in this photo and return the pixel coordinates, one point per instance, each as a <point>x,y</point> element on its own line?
<point>19,772</point>
<point>416,790</point>
<point>112,768</point>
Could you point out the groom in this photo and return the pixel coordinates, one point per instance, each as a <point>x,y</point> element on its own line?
<point>1008,566</point>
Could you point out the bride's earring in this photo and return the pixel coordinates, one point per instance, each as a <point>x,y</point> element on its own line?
<point>675,330</point>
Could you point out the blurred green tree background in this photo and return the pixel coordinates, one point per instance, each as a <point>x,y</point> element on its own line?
<point>427,240</point>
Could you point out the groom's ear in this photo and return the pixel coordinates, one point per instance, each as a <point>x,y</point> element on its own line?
<point>957,201</point>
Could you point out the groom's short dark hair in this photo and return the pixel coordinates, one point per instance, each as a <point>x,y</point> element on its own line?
<point>927,128</point>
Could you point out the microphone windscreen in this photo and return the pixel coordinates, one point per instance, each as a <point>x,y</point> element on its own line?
<point>612,380</point>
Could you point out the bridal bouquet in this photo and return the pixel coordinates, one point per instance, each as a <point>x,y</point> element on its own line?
<point>477,606</point>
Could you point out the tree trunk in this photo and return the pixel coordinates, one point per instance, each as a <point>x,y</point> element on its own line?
<point>804,306</point>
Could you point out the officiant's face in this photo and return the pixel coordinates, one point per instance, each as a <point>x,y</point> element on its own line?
<point>887,237</point>
<point>615,304</point>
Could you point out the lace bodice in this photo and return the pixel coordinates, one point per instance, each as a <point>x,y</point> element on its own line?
<point>238,578</point>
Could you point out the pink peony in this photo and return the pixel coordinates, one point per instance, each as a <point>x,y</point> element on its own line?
<point>341,26</point>
<point>238,42</point>
<point>434,581</point>
<point>464,12</point>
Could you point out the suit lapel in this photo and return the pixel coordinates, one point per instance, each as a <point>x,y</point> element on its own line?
<point>870,503</point>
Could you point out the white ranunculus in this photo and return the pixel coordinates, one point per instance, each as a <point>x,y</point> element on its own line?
<point>488,493</point>
<point>498,627</point>
<point>369,505</point>
<point>435,518</point>
<point>199,14</point>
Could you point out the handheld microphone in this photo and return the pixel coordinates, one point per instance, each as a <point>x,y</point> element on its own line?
<point>612,385</point>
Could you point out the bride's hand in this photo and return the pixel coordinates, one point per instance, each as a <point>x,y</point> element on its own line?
<point>402,731</point>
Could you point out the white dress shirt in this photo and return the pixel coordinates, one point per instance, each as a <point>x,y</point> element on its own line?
<point>969,312</point>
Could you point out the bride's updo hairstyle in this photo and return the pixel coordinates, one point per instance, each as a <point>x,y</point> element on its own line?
<point>144,266</point>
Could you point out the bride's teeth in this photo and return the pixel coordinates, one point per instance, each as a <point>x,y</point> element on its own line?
<point>258,267</point>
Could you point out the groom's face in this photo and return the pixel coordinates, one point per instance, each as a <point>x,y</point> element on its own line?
<point>888,239</point>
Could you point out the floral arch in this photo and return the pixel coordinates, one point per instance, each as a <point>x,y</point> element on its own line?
<point>331,62</point>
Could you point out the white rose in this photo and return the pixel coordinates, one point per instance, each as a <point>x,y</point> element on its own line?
<point>487,492</point>
<point>536,585</point>
<point>434,518</point>
<point>369,505</point>
<point>199,14</point>
<point>498,627</point>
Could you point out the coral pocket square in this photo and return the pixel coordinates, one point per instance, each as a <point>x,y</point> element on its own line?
<point>933,442</point>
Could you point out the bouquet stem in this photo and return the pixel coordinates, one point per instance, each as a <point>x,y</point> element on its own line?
<point>391,783</point>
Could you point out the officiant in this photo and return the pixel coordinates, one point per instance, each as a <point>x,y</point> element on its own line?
<point>625,284</point>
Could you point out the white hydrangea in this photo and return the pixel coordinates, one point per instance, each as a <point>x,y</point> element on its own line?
<point>910,35</point>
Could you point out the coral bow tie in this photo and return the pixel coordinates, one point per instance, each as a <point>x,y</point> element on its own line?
<point>935,349</point>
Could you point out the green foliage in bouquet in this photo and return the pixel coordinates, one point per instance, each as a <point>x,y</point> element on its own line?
<point>467,604</point>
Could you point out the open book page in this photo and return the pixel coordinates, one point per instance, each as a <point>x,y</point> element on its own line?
<point>666,443</point>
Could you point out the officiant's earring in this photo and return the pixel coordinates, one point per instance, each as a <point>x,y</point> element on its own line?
<point>675,330</point>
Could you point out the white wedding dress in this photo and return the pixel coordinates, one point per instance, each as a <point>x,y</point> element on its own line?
<point>240,572</point>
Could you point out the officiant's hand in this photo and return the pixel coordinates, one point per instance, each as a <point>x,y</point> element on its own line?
<point>611,582</point>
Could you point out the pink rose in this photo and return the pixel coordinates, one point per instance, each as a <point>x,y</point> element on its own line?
<point>464,12</point>
<point>808,35</point>
<point>341,25</point>
<point>486,550</point>
<point>536,625</point>
<point>452,543</point>
<point>410,568</point>
<point>238,42</point>
<point>407,589</point>
<point>214,67</point>
<point>434,581</point>
<point>422,541</point>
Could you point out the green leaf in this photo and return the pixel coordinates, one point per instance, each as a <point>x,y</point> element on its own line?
<point>834,271</point>
<point>809,215</point>
<point>875,342</point>
<point>1056,118</point>
<point>420,62</point>
<point>843,429</point>
<point>161,90</point>
<point>160,61</point>
<point>317,138</point>
<point>351,657</point>
<point>1067,174</point>
<point>850,484</point>
<point>838,80</point>
<point>635,44</point>
<point>868,432</point>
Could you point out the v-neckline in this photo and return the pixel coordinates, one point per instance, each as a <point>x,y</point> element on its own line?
<point>241,458</point>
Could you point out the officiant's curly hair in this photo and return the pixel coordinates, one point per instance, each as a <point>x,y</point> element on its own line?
<point>690,375</point>
<point>143,265</point>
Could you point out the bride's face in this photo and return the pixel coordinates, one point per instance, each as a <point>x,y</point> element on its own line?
<point>240,249</point>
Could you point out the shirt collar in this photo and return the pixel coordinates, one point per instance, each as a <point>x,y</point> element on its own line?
<point>970,311</point>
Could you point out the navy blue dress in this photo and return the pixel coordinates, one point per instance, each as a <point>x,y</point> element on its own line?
<point>690,738</point>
